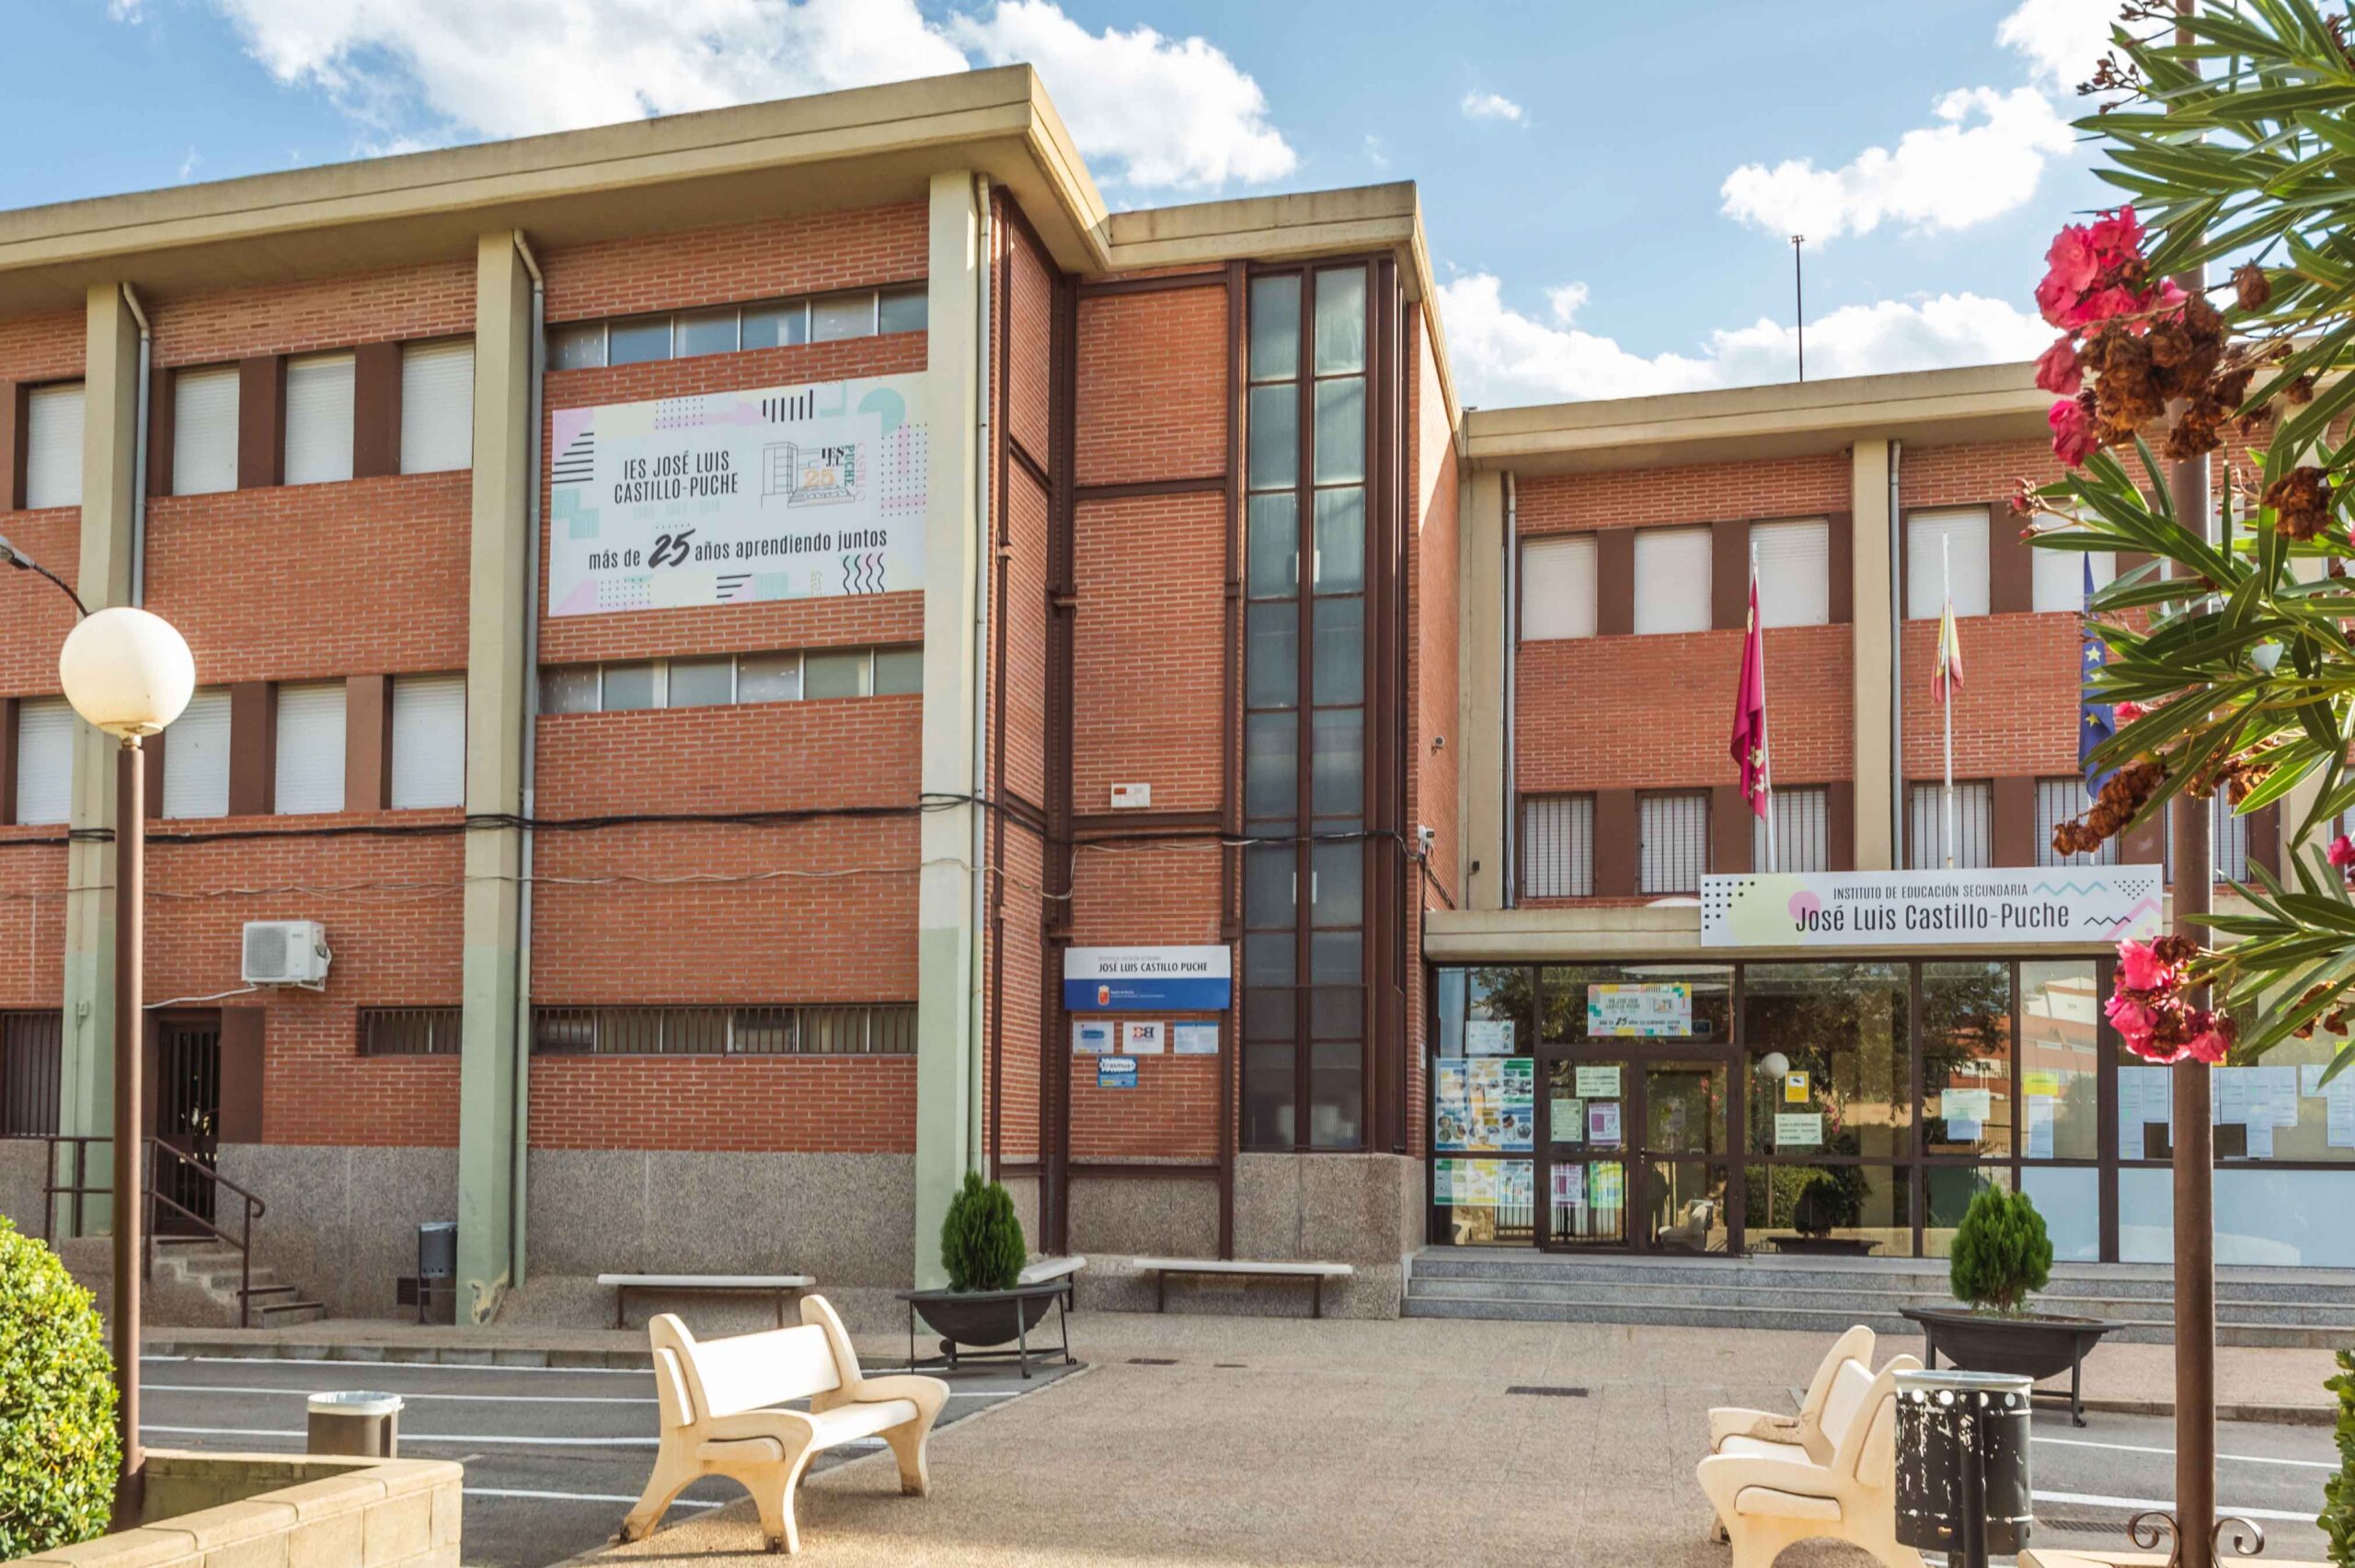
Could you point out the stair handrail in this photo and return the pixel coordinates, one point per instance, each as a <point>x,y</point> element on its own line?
<point>77,1186</point>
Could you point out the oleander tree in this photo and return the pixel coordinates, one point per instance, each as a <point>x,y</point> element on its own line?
<point>2231,664</point>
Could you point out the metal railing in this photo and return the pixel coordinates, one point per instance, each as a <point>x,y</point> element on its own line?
<point>69,1178</point>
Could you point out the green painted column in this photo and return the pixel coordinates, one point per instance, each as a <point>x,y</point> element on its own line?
<point>109,456</point>
<point>948,1047</point>
<point>499,596</point>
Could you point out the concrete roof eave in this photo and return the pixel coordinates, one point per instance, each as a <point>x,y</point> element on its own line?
<point>1981,403</point>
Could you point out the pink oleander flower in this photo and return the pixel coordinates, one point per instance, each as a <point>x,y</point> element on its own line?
<point>2130,1018</point>
<point>2116,236</point>
<point>2341,853</point>
<point>2141,969</point>
<point>2209,1045</point>
<point>2127,713</point>
<point>2073,437</point>
<point>2099,306</point>
<point>2056,370</point>
<point>2072,265</point>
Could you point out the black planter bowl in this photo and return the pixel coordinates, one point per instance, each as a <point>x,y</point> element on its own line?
<point>2030,1344</point>
<point>984,1319</point>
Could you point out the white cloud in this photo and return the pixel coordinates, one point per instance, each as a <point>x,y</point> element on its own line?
<point>1159,111</point>
<point>1171,111</point>
<point>2061,39</point>
<point>189,163</point>
<point>1501,356</point>
<point>1983,159</point>
<point>1489,106</point>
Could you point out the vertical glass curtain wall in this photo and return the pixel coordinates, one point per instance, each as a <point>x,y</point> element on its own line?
<point>1304,1017</point>
<point>1872,1098</point>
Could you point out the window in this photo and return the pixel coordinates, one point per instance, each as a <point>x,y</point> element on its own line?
<point>1557,846</point>
<point>53,446</point>
<point>2227,839</point>
<point>722,679</point>
<point>2064,800</point>
<point>1558,588</point>
<point>1672,581</point>
<point>411,1031</point>
<point>862,1029</point>
<point>318,419</point>
<point>1953,538</point>
<point>1794,572</point>
<point>309,765</point>
<point>437,406</point>
<point>2060,577</point>
<point>33,1067</point>
<point>196,758</point>
<point>725,329</point>
<point>429,741</point>
<point>1802,830</point>
<point>44,760</point>
<point>1303,1035</point>
<point>1974,832</point>
<point>204,430</point>
<point>1672,842</point>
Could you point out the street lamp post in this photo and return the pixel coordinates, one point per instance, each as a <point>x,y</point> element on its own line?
<point>129,673</point>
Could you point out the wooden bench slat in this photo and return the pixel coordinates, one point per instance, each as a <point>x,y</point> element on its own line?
<point>710,1281</point>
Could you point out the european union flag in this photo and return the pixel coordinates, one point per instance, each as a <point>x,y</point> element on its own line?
<point>2094,721</point>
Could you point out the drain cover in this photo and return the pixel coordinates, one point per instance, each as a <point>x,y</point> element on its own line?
<point>1152,1361</point>
<point>1546,1390</point>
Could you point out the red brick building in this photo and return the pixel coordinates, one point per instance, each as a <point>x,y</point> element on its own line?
<point>718,621</point>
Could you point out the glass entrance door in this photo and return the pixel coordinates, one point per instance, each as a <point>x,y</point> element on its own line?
<point>1583,1123</point>
<point>1632,1153</point>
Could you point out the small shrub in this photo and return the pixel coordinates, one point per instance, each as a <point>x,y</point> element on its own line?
<point>2338,1520</point>
<point>981,1242</point>
<point>58,1452</point>
<point>2001,1252</point>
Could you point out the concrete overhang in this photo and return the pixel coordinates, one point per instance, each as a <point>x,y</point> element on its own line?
<point>1985,403</point>
<point>857,148</point>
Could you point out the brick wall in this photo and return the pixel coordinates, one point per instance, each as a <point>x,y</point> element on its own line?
<point>434,300</point>
<point>1149,652</point>
<point>1153,379</point>
<point>809,253</point>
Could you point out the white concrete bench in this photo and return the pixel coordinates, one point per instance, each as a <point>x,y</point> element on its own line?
<point>1770,1494</point>
<point>781,1286</point>
<point>1041,1270</point>
<point>1316,1274</point>
<point>721,1403</point>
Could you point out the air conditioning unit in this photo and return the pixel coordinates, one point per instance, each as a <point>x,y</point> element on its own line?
<point>285,952</point>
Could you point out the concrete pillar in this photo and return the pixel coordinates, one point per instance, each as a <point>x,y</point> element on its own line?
<point>499,593</point>
<point>109,454</point>
<point>947,1042</point>
<point>1485,631</point>
<point>1873,650</point>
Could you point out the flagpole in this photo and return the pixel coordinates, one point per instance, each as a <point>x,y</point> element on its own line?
<point>1767,754</point>
<point>1946,676</point>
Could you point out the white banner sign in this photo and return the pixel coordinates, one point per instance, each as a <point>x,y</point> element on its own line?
<point>2025,906</point>
<point>788,492</point>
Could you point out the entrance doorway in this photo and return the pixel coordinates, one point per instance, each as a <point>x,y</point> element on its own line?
<point>184,1087</point>
<point>1634,1152</point>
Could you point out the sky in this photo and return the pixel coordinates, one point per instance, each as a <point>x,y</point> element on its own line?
<point>1609,189</point>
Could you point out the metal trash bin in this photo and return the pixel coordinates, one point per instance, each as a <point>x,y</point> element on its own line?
<point>437,1259</point>
<point>1962,1446</point>
<point>356,1424</point>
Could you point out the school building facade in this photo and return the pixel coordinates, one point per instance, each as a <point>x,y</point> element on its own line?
<point>747,631</point>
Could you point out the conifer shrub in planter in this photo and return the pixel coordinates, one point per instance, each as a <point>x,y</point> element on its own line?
<point>981,1250</point>
<point>2337,1519</point>
<point>1999,1257</point>
<point>58,1450</point>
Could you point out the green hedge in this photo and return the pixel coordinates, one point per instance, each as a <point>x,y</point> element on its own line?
<point>981,1241</point>
<point>58,1452</point>
<point>2338,1520</point>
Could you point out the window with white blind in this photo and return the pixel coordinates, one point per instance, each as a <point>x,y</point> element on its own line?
<point>1672,583</point>
<point>1558,588</point>
<point>1974,826</point>
<point>45,760</point>
<point>2063,800</point>
<point>1672,842</point>
<point>1934,540</point>
<point>1557,846</point>
<point>54,447</point>
<point>1802,829</point>
<point>437,406</point>
<point>2227,839</point>
<point>318,419</point>
<point>196,758</point>
<point>204,430</point>
<point>2060,577</point>
<point>309,768</point>
<point>1794,572</point>
<point>428,740</point>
